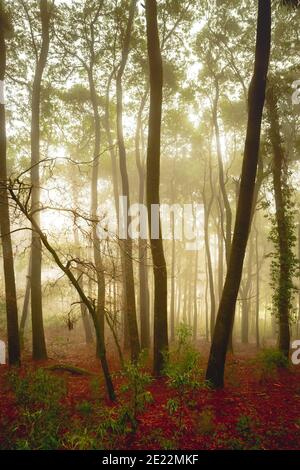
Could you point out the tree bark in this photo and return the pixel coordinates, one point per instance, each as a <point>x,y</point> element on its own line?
<point>279,176</point>
<point>225,318</point>
<point>100,310</point>
<point>126,248</point>
<point>14,357</point>
<point>142,244</point>
<point>38,336</point>
<point>153,180</point>
<point>26,301</point>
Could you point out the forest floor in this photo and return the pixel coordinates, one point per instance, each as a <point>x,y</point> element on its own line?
<point>254,411</point>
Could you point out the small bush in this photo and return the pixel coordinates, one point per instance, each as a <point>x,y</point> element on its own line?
<point>41,413</point>
<point>37,388</point>
<point>182,371</point>
<point>270,361</point>
<point>134,390</point>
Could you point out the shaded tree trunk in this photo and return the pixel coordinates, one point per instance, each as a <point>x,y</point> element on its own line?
<point>38,336</point>
<point>153,180</point>
<point>26,301</point>
<point>142,244</point>
<point>14,356</point>
<point>279,180</point>
<point>100,310</point>
<point>126,248</point>
<point>256,99</point>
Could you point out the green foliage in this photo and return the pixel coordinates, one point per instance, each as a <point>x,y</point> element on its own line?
<point>245,426</point>
<point>270,360</point>
<point>283,288</point>
<point>80,440</point>
<point>41,414</point>
<point>85,408</point>
<point>37,388</point>
<point>182,370</point>
<point>134,389</point>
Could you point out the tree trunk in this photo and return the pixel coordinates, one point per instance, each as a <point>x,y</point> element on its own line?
<point>228,213</point>
<point>142,244</point>
<point>100,310</point>
<point>126,249</point>
<point>38,336</point>
<point>279,177</point>
<point>257,293</point>
<point>195,322</point>
<point>153,180</point>
<point>26,301</point>
<point>224,324</point>
<point>8,257</point>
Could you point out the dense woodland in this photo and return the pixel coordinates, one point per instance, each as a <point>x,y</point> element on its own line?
<point>117,338</point>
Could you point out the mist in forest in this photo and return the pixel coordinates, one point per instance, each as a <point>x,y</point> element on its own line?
<point>149,217</point>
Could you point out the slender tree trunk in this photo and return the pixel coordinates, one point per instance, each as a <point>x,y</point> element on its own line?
<point>26,301</point>
<point>8,257</point>
<point>38,336</point>
<point>153,180</point>
<point>207,209</point>
<point>126,248</point>
<point>226,202</point>
<point>195,296</point>
<point>279,177</point>
<point>224,324</point>
<point>257,293</point>
<point>94,207</point>
<point>142,244</point>
<point>172,297</point>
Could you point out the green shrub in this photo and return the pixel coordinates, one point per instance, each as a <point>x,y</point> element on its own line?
<point>135,394</point>
<point>182,371</point>
<point>38,395</point>
<point>270,361</point>
<point>37,388</point>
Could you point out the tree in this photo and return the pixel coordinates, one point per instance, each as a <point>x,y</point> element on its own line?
<point>127,242</point>
<point>283,268</point>
<point>153,180</point>
<point>8,257</point>
<point>256,99</point>
<point>38,336</point>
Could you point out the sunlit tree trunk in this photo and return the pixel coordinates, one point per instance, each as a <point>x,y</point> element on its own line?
<point>153,180</point>
<point>256,99</point>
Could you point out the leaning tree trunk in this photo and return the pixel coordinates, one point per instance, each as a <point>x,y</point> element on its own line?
<point>8,257</point>
<point>25,309</point>
<point>126,248</point>
<point>153,179</point>
<point>279,177</point>
<point>256,99</point>
<point>38,335</point>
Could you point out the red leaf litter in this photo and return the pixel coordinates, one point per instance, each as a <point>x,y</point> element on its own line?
<point>271,406</point>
